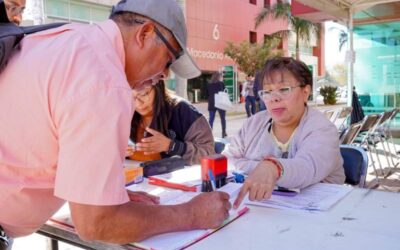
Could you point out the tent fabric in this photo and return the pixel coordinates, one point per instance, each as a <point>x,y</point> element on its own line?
<point>357,114</point>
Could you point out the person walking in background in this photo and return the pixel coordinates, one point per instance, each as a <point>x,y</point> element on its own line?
<point>214,87</point>
<point>257,87</point>
<point>248,93</point>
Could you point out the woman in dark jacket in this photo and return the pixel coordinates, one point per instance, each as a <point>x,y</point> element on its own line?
<point>214,87</point>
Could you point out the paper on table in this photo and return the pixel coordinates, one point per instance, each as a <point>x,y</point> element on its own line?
<point>178,240</point>
<point>320,196</point>
<point>188,176</point>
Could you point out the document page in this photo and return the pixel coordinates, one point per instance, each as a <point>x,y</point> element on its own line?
<point>320,196</point>
<point>180,240</point>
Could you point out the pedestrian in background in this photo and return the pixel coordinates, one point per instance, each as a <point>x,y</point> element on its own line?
<point>257,87</point>
<point>214,87</point>
<point>248,93</point>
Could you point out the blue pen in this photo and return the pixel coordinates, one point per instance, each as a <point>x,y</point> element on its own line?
<point>210,174</point>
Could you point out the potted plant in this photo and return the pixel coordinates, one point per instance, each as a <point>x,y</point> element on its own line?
<point>329,94</point>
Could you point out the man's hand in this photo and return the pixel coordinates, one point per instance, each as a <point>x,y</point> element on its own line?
<point>209,209</point>
<point>155,144</point>
<point>259,184</point>
<point>143,197</point>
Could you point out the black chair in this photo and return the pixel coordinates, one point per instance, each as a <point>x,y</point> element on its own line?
<point>219,145</point>
<point>355,164</point>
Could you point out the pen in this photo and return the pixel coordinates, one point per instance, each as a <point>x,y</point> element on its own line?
<point>213,184</point>
<point>163,183</point>
<point>284,192</point>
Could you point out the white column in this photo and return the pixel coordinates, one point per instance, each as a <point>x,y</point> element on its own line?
<point>35,11</point>
<point>351,58</point>
<point>181,87</point>
<point>181,84</point>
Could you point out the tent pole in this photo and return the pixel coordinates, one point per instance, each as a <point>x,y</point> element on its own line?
<point>350,58</point>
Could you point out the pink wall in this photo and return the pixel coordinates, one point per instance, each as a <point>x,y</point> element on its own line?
<point>227,20</point>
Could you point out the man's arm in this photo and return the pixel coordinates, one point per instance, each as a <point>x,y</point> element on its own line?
<point>133,222</point>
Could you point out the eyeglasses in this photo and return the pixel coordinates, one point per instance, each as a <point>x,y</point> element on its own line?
<point>151,81</point>
<point>143,95</point>
<point>281,93</point>
<point>13,9</point>
<point>177,54</point>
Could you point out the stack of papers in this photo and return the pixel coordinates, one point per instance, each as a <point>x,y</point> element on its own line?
<point>320,197</point>
<point>179,240</point>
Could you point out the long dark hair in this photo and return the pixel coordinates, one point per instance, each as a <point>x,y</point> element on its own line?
<point>162,109</point>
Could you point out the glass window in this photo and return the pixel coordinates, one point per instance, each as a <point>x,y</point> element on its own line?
<point>252,37</point>
<point>75,11</point>
<point>377,66</point>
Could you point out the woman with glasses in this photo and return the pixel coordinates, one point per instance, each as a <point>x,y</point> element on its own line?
<point>164,125</point>
<point>290,145</point>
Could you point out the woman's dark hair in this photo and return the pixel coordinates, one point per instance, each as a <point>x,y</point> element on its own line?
<point>216,76</point>
<point>296,67</point>
<point>162,108</point>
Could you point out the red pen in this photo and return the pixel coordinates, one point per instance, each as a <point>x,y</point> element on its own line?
<point>163,183</point>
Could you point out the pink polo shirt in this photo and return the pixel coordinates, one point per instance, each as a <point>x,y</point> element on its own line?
<point>65,112</point>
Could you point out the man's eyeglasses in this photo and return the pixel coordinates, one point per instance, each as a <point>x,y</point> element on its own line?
<point>281,93</point>
<point>176,53</point>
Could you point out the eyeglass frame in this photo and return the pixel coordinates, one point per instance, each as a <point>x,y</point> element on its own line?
<point>261,93</point>
<point>140,97</point>
<point>177,54</point>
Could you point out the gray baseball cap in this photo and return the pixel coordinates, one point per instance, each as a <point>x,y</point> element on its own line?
<point>170,15</point>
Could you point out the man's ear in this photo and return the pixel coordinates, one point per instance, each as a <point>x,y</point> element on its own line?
<point>145,33</point>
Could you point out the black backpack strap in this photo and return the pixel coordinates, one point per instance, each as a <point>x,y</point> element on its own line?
<point>11,34</point>
<point>36,28</point>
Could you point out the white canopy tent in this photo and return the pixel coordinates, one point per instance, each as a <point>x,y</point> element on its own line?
<point>346,11</point>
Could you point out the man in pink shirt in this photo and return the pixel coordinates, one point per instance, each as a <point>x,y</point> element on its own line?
<point>65,111</point>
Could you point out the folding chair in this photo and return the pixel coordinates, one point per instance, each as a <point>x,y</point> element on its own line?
<point>329,114</point>
<point>355,164</point>
<point>342,117</point>
<point>384,133</point>
<point>349,134</point>
<point>366,136</point>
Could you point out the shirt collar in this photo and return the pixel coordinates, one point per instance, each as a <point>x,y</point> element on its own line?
<point>111,30</point>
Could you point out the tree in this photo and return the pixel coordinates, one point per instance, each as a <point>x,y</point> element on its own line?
<point>339,74</point>
<point>303,29</point>
<point>343,37</point>
<point>251,57</point>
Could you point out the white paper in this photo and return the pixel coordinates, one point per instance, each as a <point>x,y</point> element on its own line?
<point>320,196</point>
<point>177,240</point>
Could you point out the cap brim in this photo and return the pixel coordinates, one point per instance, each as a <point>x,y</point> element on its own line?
<point>185,67</point>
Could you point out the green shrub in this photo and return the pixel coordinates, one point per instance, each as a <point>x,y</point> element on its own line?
<point>329,94</point>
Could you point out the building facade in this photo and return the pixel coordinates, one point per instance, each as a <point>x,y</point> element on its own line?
<point>211,24</point>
